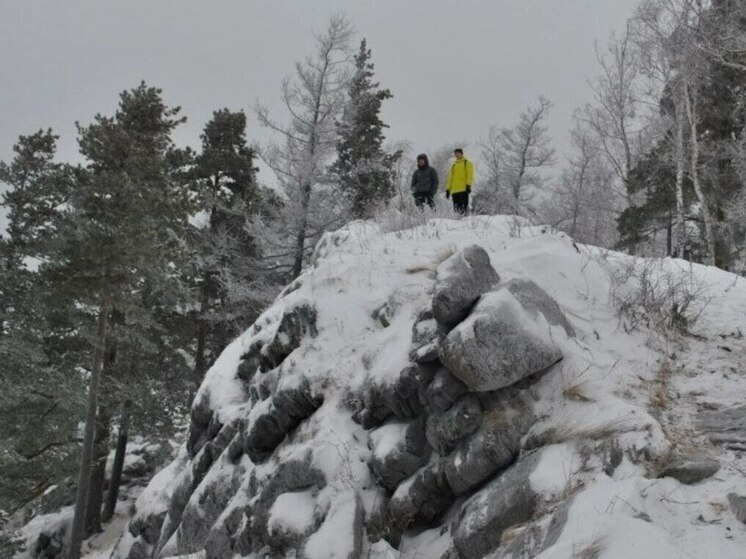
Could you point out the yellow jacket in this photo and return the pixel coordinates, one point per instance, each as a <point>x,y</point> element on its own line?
<point>461,176</point>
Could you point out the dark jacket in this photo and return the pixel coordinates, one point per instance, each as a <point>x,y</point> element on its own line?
<point>425,179</point>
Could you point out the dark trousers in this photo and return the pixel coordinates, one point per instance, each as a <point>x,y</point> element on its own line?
<point>421,197</point>
<point>461,202</point>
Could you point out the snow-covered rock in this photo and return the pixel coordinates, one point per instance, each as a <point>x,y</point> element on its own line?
<point>461,279</point>
<point>738,506</point>
<point>399,450</point>
<point>440,394</point>
<point>726,426</point>
<point>341,534</point>
<point>377,411</point>
<point>500,343</point>
<point>691,468</point>
<point>445,430</point>
<point>506,501</point>
<point>496,444</point>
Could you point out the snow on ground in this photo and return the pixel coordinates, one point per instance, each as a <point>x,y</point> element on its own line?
<point>98,546</point>
<point>101,545</point>
<point>39,523</point>
<point>334,540</point>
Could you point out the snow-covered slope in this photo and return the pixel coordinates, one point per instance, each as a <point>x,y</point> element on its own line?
<point>315,434</point>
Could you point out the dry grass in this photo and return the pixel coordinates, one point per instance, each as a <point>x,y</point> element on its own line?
<point>577,392</point>
<point>717,507</point>
<point>443,254</point>
<point>590,550</point>
<point>569,431</point>
<point>659,399</point>
<point>654,293</point>
<point>408,216</point>
<point>438,258</point>
<point>422,269</point>
<point>511,533</point>
<point>683,441</point>
<point>576,388</point>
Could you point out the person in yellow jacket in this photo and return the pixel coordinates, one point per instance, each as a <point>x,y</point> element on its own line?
<point>459,182</point>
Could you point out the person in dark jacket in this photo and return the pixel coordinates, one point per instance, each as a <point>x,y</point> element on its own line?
<point>424,182</point>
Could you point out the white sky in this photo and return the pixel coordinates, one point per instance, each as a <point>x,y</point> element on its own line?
<point>455,67</point>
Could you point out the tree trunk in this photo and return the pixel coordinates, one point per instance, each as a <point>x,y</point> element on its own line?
<point>118,466</point>
<point>200,360</point>
<point>669,230</point>
<point>579,194</point>
<point>691,111</point>
<point>680,237</point>
<point>86,454</point>
<point>98,475</point>
<point>300,239</point>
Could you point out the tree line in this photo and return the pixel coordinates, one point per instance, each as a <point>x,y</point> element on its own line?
<point>656,165</point>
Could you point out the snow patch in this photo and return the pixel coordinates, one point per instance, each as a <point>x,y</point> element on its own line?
<point>292,513</point>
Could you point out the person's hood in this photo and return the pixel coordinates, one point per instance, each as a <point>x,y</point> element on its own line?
<point>424,156</point>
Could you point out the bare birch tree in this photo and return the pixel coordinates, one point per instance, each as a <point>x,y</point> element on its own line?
<point>656,23</point>
<point>525,152</point>
<point>487,199</point>
<point>618,116</point>
<point>669,32</point>
<point>583,202</point>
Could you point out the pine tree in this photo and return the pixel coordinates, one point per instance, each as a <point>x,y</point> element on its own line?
<point>39,399</point>
<point>119,252</point>
<point>224,174</point>
<point>364,169</point>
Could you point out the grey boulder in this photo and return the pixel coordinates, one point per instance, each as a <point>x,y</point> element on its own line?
<point>288,409</point>
<point>500,343</point>
<point>738,506</point>
<point>460,280</point>
<point>535,300</point>
<point>400,398</point>
<point>506,501</point>
<point>200,514</point>
<point>493,447</point>
<point>297,323</point>
<point>440,394</point>
<point>691,469</point>
<point>424,496</point>
<point>726,427</point>
<point>426,336</point>
<point>399,450</point>
<point>444,431</point>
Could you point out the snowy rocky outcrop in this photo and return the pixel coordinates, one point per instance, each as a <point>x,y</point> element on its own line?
<point>448,391</point>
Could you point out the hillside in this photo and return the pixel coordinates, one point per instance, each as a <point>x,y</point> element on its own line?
<point>375,411</point>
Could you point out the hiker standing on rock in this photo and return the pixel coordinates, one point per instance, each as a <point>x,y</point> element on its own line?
<point>459,182</point>
<point>424,182</point>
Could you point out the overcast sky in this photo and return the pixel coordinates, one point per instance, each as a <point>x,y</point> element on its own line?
<point>455,67</point>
